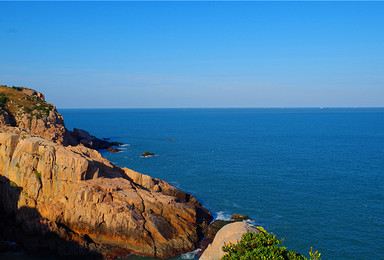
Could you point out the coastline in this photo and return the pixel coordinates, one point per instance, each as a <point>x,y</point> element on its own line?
<point>276,157</point>
<point>56,187</point>
<point>277,166</point>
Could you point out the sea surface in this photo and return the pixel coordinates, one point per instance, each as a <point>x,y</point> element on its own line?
<point>312,176</point>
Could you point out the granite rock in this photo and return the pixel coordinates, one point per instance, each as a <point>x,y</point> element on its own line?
<point>230,233</point>
<point>76,188</point>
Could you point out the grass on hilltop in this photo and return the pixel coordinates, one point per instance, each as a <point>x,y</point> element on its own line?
<point>12,99</point>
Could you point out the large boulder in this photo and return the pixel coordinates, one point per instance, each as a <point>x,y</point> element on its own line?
<point>230,233</point>
<point>218,224</point>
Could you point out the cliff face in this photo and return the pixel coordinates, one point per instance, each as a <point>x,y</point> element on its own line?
<point>80,197</point>
<point>27,109</point>
<point>78,188</point>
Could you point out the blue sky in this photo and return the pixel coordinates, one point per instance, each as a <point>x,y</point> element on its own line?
<point>195,54</point>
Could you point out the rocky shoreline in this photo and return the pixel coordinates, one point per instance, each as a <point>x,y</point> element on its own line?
<point>60,196</point>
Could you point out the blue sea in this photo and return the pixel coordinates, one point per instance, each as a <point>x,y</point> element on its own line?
<point>312,176</point>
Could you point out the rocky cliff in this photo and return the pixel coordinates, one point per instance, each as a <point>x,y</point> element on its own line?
<point>27,109</point>
<point>74,194</point>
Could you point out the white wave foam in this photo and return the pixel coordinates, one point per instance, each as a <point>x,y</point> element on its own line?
<point>191,255</point>
<point>149,156</point>
<point>125,145</point>
<point>250,222</point>
<point>223,216</point>
<point>176,184</point>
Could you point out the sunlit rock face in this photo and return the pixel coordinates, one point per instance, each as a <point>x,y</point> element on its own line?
<point>72,194</point>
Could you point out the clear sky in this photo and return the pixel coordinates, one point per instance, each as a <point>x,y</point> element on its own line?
<point>195,54</point>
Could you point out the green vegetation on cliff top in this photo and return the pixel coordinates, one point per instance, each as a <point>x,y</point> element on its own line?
<point>14,98</point>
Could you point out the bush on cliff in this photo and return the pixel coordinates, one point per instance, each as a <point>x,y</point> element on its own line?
<point>262,246</point>
<point>3,100</point>
<point>42,107</point>
<point>17,88</point>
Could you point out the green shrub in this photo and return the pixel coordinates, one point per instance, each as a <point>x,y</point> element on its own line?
<point>262,246</point>
<point>314,255</point>
<point>13,184</point>
<point>38,175</point>
<point>3,100</point>
<point>30,121</point>
<point>17,88</point>
<point>43,107</point>
<point>27,110</point>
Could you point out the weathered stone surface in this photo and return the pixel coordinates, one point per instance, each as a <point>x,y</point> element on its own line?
<point>74,189</point>
<point>230,233</point>
<point>5,117</point>
<point>31,92</point>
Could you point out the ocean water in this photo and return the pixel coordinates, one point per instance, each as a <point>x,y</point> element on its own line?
<point>312,176</point>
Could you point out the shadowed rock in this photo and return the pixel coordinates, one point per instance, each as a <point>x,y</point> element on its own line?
<point>24,230</point>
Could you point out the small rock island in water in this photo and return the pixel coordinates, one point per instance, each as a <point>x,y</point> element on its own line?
<point>147,154</point>
<point>113,150</point>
